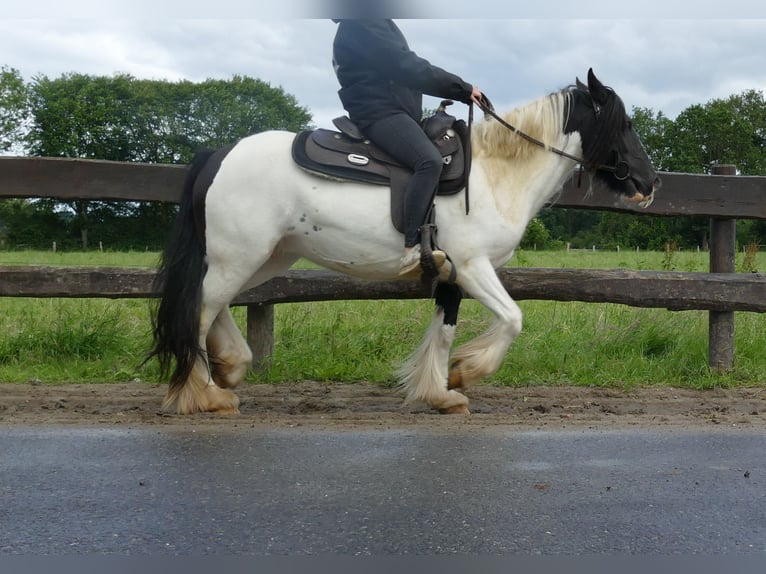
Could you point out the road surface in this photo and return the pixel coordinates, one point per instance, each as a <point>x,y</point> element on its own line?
<point>212,489</point>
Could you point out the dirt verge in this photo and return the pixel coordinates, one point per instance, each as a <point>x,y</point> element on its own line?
<point>366,405</point>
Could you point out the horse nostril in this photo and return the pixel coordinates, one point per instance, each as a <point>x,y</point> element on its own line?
<point>657,183</point>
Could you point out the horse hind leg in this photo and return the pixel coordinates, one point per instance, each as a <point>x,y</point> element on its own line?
<point>423,376</point>
<point>230,356</point>
<point>199,392</point>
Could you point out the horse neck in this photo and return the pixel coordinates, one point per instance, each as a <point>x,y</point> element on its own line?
<point>521,175</point>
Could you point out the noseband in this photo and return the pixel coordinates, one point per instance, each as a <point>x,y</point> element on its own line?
<point>621,169</point>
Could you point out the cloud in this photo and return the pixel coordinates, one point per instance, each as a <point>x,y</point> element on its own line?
<point>662,64</point>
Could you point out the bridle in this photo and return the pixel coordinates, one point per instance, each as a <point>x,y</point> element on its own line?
<point>621,169</point>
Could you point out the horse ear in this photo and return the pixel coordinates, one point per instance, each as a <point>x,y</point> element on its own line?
<point>597,90</point>
<point>580,85</point>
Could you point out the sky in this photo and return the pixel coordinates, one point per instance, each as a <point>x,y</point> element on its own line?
<point>654,55</point>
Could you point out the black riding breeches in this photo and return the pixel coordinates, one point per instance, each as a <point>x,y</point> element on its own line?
<point>403,139</point>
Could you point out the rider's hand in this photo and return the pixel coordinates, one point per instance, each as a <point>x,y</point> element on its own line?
<point>476,96</point>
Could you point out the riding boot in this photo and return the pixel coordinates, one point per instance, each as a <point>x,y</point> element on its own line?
<point>422,258</point>
<point>434,262</point>
<point>410,261</point>
<point>414,263</point>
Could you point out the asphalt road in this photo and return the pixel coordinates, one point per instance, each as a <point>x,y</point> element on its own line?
<point>153,491</point>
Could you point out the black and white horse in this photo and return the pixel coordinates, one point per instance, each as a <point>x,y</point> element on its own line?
<point>249,212</point>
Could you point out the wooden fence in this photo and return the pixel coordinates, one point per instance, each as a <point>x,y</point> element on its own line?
<point>723,197</point>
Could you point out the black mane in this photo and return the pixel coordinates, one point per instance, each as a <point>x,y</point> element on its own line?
<point>599,122</point>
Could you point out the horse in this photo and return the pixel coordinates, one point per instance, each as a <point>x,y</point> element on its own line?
<point>248,212</point>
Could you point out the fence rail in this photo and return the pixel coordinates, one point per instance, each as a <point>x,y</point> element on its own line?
<point>723,197</point>
<point>673,290</point>
<point>682,194</point>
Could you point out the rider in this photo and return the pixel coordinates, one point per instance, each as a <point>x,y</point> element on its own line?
<point>382,85</point>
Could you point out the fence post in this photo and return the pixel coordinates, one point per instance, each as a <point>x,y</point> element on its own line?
<point>260,334</point>
<point>722,260</point>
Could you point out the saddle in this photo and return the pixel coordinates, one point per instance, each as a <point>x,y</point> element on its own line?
<point>346,155</point>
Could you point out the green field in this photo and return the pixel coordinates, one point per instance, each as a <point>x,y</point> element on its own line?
<point>95,340</point>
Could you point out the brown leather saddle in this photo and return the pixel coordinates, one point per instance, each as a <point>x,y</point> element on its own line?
<point>347,155</point>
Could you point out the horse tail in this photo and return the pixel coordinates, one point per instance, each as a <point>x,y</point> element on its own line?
<point>179,279</point>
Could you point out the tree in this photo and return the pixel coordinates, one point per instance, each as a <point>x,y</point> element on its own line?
<point>750,110</point>
<point>122,118</point>
<point>723,131</point>
<point>535,235</point>
<point>14,109</point>
<point>574,226</point>
<point>224,111</point>
<point>653,130</point>
<point>31,225</point>
<point>731,131</point>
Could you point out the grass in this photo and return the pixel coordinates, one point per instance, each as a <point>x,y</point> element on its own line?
<point>84,258</point>
<point>73,340</point>
<point>97,340</point>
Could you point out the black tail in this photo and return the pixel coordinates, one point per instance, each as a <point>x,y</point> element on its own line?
<point>179,280</point>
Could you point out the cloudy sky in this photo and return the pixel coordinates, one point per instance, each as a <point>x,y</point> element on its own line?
<point>655,56</point>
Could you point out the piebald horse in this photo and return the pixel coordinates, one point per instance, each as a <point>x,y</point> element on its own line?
<point>248,212</point>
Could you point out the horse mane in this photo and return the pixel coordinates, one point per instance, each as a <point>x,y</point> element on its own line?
<point>543,119</point>
<point>597,150</point>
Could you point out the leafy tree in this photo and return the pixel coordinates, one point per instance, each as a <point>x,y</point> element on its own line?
<point>13,109</point>
<point>731,131</point>
<point>122,118</point>
<point>85,117</point>
<point>225,111</point>
<point>750,110</point>
<point>536,235</point>
<point>32,225</point>
<point>653,130</point>
<point>728,131</point>
<point>570,225</point>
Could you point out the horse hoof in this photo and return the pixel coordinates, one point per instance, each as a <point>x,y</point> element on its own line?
<point>209,399</point>
<point>455,410</point>
<point>222,401</point>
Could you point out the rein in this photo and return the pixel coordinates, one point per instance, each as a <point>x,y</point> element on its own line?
<point>621,170</point>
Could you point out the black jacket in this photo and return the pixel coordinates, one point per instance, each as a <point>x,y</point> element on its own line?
<point>379,75</point>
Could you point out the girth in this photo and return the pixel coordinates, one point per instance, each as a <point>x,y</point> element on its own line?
<point>347,156</point>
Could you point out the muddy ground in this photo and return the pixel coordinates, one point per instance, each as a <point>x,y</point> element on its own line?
<point>365,405</point>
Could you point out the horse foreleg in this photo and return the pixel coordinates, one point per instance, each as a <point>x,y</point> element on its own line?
<point>423,376</point>
<point>230,356</point>
<point>482,356</point>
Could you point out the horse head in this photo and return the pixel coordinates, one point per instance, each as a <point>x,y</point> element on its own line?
<point>611,148</point>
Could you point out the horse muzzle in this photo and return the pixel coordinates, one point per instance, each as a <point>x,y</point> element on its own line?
<point>643,200</point>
